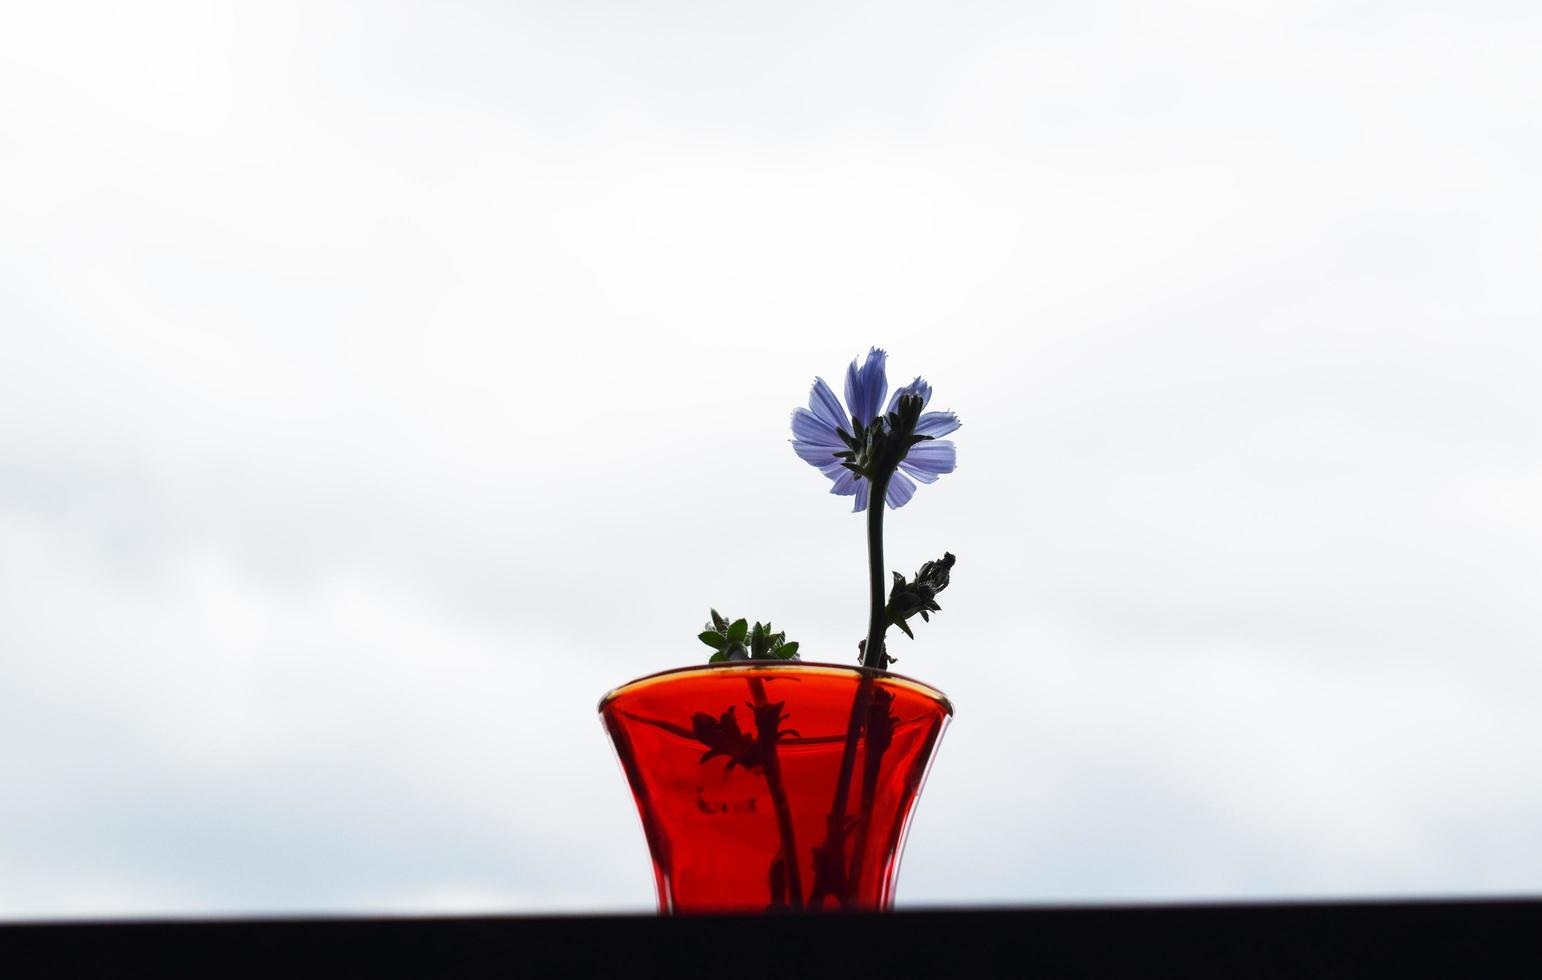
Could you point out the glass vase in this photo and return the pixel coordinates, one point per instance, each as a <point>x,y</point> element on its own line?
<point>771,786</point>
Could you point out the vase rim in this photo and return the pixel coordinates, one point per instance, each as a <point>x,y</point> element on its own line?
<point>810,666</point>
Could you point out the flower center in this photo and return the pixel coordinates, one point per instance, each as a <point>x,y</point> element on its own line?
<point>876,449</point>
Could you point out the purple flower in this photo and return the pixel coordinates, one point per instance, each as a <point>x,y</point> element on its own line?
<point>824,431</point>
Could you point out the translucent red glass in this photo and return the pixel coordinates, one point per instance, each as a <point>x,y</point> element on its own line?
<point>736,766</point>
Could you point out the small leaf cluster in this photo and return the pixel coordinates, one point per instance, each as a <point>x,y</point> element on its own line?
<point>919,596</point>
<point>723,737</point>
<point>737,640</point>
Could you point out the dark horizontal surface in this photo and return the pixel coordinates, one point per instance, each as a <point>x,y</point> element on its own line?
<point>1363,939</point>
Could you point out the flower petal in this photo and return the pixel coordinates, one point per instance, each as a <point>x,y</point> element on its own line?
<point>846,483</point>
<point>807,427</point>
<point>916,387</point>
<point>925,476</point>
<point>936,424</point>
<point>901,488</point>
<point>866,385</point>
<point>827,408</point>
<point>864,487</point>
<point>815,454</point>
<point>934,456</point>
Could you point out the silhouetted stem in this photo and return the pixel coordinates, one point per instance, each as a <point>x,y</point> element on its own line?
<point>829,860</point>
<point>879,735</point>
<point>773,766</point>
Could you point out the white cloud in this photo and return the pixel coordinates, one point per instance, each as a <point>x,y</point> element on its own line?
<point>379,387</point>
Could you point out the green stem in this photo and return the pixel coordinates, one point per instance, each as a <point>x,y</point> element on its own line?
<point>877,625</point>
<point>834,880</point>
<point>872,650</point>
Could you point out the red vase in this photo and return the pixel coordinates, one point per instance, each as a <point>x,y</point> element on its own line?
<point>772,785</point>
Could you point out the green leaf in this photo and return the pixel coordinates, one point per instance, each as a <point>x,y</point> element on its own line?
<point>713,639</point>
<point>787,651</point>
<point>718,620</point>
<point>737,631</point>
<point>717,658</point>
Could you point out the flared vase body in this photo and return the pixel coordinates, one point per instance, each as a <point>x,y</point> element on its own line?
<point>766,786</point>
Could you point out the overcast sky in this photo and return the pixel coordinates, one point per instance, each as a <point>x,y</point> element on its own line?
<point>381,383</point>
